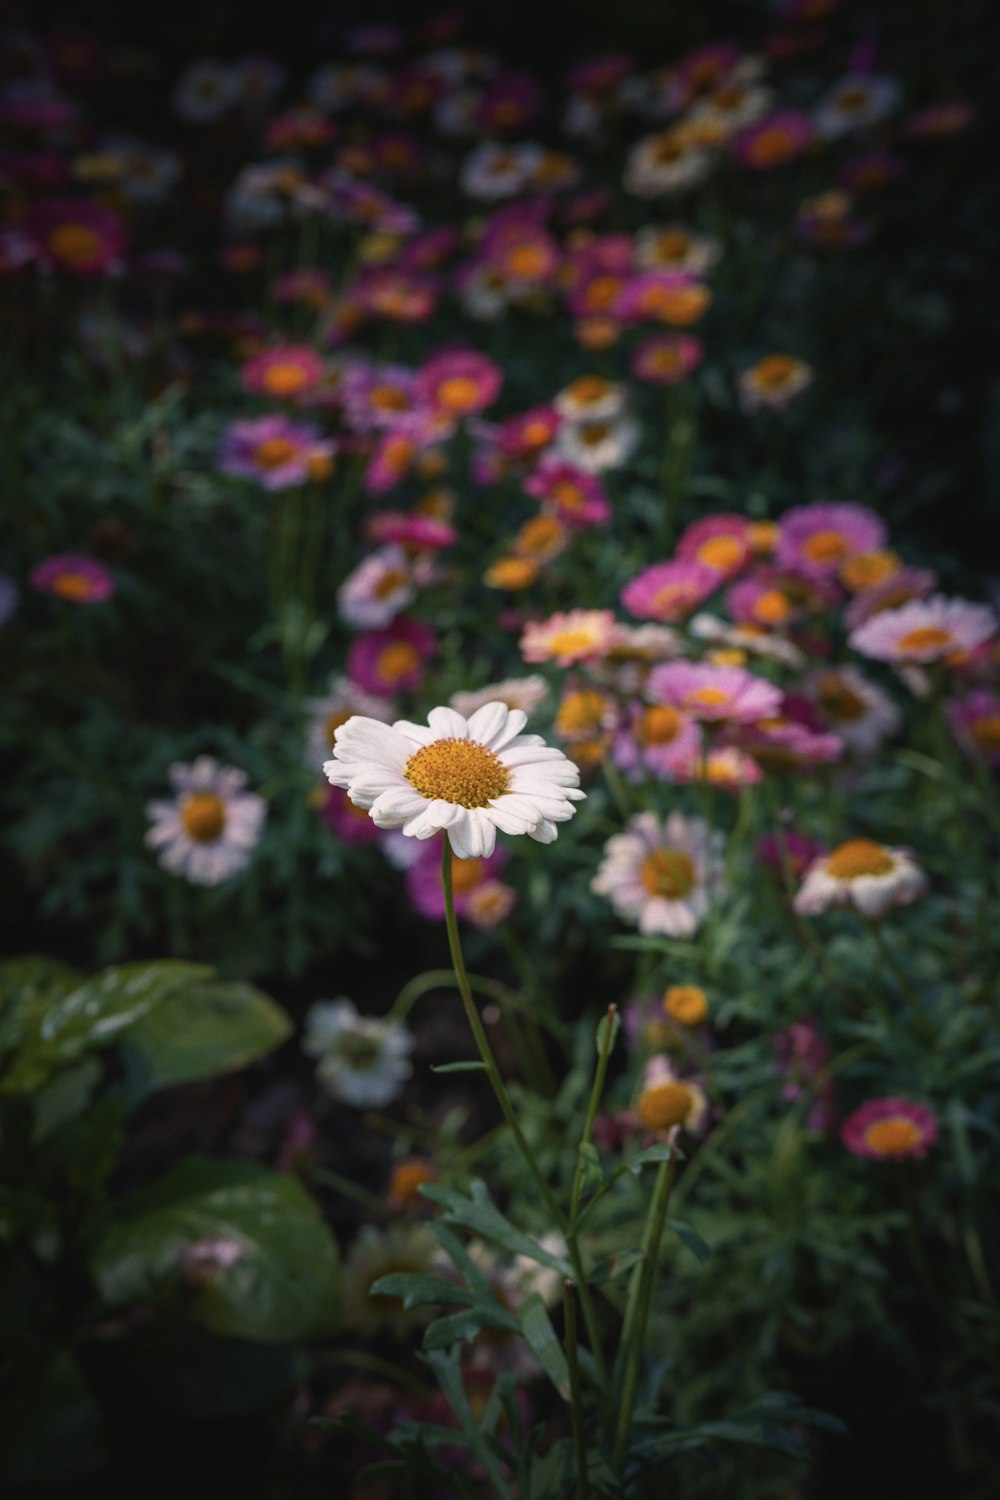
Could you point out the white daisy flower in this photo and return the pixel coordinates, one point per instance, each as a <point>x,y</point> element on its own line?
<point>205,90</point>
<point>340,702</point>
<point>469,776</point>
<point>526,693</point>
<point>380,587</point>
<point>498,171</point>
<point>755,642</point>
<point>862,714</point>
<point>854,102</point>
<point>863,874</point>
<point>598,446</point>
<point>211,827</point>
<point>664,163</point>
<point>661,876</point>
<point>363,1060</point>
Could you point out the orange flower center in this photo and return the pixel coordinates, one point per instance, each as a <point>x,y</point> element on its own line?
<point>397,660</point>
<point>825,546</point>
<point>594,434</point>
<point>671,247</point>
<point>775,371</point>
<point>669,873</point>
<point>273,452</point>
<point>408,1176</point>
<point>511,573</point>
<point>859,857</point>
<point>466,874</point>
<point>72,586</point>
<point>925,638</point>
<point>534,434</point>
<point>203,817</point>
<point>772,608</point>
<point>660,725</point>
<point>665,1105</point>
<point>708,697</point>
<point>867,568</point>
<point>588,390</point>
<point>572,642</point>
<point>681,305</point>
<point>567,495</point>
<point>459,393</point>
<point>892,1137</point>
<point>388,398</point>
<point>986,733</point>
<point>671,598</point>
<point>74,243</point>
<point>527,261</point>
<point>539,535</point>
<point>686,1003</point>
<point>721,552</point>
<point>391,580</point>
<point>580,712</point>
<point>838,700</point>
<point>457,771</point>
<point>284,378</point>
<point>666,151</point>
<point>770,147</point>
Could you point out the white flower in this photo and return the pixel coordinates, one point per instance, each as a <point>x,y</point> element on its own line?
<point>598,446</point>
<point>854,102</point>
<point>206,90</point>
<point>469,776</point>
<point>861,713</point>
<point>211,827</point>
<point>378,589</point>
<point>526,693</point>
<point>498,171</point>
<point>862,874</point>
<point>363,1060</point>
<point>661,876</point>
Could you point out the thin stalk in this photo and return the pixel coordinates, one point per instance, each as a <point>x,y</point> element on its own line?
<point>575,1402</point>
<point>503,1099</point>
<point>592,1108</point>
<point>639,1299</point>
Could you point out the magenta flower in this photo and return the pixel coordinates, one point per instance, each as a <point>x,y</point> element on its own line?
<point>286,372</point>
<point>975,723</point>
<point>669,591</point>
<point>351,824</point>
<point>712,694</point>
<point>721,542</point>
<point>74,577</point>
<point>73,234</point>
<point>275,452</point>
<point>391,660</point>
<point>459,382</point>
<point>773,141</point>
<point>816,539</point>
<point>789,854</point>
<point>891,1129</point>
<point>666,358</point>
<point>571,494</point>
<point>423,879</point>
<point>898,589</point>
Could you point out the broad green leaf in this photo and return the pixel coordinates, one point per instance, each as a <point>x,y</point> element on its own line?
<point>416,1290</point>
<point>64,1097</point>
<point>201,1030</point>
<point>28,987</point>
<point>235,1247</point>
<point>536,1325</point>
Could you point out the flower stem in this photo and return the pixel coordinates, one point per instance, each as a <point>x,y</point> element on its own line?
<point>575,1403</point>
<point>595,1100</point>
<point>503,1099</point>
<point>639,1299</point>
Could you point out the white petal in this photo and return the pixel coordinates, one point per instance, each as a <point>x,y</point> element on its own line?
<point>545,833</point>
<point>447,724</point>
<point>491,719</point>
<point>367,740</point>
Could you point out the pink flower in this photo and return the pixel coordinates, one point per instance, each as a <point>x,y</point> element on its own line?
<point>898,589</point>
<point>572,495</point>
<point>576,635</point>
<point>275,452</point>
<point>773,141</point>
<point>793,739</point>
<point>891,1129</point>
<point>73,234</point>
<point>975,723</point>
<point>391,660</point>
<point>714,694</point>
<point>525,435</point>
<point>351,824</point>
<point>658,739</point>
<point>74,577</point>
<point>423,879</point>
<point>670,590</point>
<point>286,372</point>
<point>925,630</point>
<point>816,539</point>
<point>459,382</point>
<point>666,358</point>
<point>411,531</point>
<point>721,542</point>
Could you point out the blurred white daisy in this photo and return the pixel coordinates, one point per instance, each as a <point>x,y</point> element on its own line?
<point>863,874</point>
<point>661,876</point>
<point>526,693</point>
<point>377,590</point>
<point>363,1060</point>
<point>469,776</point>
<point>210,828</point>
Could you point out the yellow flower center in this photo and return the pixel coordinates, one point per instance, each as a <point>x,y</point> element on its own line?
<point>397,660</point>
<point>203,817</point>
<point>859,857</point>
<point>986,733</point>
<point>839,701</point>
<point>681,305</point>
<point>709,697</point>
<point>925,638</point>
<point>407,1178</point>
<point>721,552</point>
<point>686,1004</point>
<point>391,580</point>
<point>772,608</point>
<point>459,393</point>
<point>660,725</point>
<point>74,243</point>
<point>763,537</point>
<point>825,546</point>
<point>588,390</point>
<point>594,433</point>
<point>599,295</point>
<point>273,452</point>
<point>284,378</point>
<point>567,495</point>
<point>671,247</point>
<point>580,712</point>
<point>571,642</point>
<point>665,1105</point>
<point>669,873</point>
<point>666,151</point>
<point>770,147</point>
<point>388,398</point>
<point>866,568</point>
<point>71,586</point>
<point>892,1137</point>
<point>511,573</point>
<point>526,260</point>
<point>539,535</point>
<point>458,771</point>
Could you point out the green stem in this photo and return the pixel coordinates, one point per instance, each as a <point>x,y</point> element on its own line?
<point>575,1402</point>
<point>639,1299</point>
<point>503,1099</point>
<point>595,1100</point>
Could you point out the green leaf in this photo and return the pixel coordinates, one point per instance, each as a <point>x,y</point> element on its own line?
<point>235,1247</point>
<point>690,1238</point>
<point>28,987</point>
<point>459,1067</point>
<point>536,1325</point>
<point>662,1151</point>
<point>202,1030</point>
<point>610,1266</point>
<point>92,1015</point>
<point>416,1290</point>
<point>448,1371</point>
<point>468,1324</point>
<point>478,1212</point>
<point>65,1097</point>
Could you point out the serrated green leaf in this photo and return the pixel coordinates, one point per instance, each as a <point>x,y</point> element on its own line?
<point>468,1324</point>
<point>480,1213</point>
<point>536,1325</point>
<point>233,1246</point>
<point>416,1290</point>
